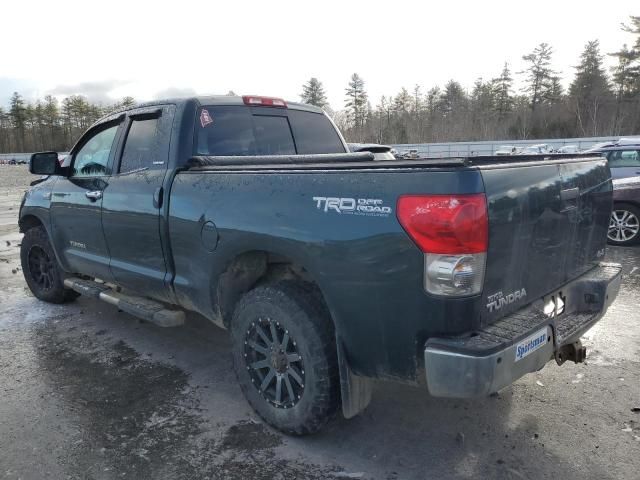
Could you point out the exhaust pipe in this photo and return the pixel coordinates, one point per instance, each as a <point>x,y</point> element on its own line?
<point>575,352</point>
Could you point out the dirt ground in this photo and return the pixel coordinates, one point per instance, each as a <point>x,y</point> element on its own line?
<point>87,392</point>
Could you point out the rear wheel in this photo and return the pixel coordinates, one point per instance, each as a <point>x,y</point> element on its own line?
<point>285,357</point>
<point>624,225</point>
<point>40,268</point>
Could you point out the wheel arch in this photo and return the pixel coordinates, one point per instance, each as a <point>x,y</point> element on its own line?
<point>35,217</point>
<point>625,201</point>
<point>29,221</point>
<point>251,268</point>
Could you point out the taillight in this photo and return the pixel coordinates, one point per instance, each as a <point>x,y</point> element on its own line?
<point>264,101</point>
<point>452,231</point>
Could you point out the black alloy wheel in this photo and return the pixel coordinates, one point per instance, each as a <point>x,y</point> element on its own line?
<point>275,366</point>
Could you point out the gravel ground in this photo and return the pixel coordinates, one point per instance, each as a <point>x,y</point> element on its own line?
<point>88,392</point>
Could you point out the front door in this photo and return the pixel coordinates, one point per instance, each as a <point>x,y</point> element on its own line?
<point>133,202</point>
<point>76,203</point>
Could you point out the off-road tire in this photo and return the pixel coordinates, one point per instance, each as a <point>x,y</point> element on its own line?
<point>35,243</point>
<point>298,311</point>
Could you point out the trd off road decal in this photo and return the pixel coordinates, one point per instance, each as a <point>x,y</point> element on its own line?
<point>372,207</point>
<point>205,118</point>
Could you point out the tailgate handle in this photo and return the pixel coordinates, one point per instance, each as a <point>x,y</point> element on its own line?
<point>570,193</point>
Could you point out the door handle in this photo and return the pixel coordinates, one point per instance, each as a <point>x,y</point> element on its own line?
<point>570,194</point>
<point>93,195</point>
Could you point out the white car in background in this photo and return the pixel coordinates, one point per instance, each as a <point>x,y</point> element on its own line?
<point>506,150</point>
<point>380,152</point>
<point>568,149</point>
<point>539,149</point>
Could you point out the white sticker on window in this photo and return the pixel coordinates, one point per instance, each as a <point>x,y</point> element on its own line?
<point>205,118</point>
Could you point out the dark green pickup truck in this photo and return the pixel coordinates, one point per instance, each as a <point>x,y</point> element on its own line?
<point>329,268</point>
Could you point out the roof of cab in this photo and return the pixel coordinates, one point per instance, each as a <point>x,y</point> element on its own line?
<point>221,100</point>
<point>200,100</point>
<point>238,100</point>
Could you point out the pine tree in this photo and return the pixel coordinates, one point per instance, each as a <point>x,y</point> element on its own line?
<point>483,106</point>
<point>590,89</point>
<point>553,92</point>
<point>4,131</point>
<point>356,103</point>
<point>51,116</point>
<point>626,77</point>
<point>634,29</point>
<point>453,98</point>
<point>402,102</point>
<point>590,79</point>
<point>502,91</point>
<point>128,102</point>
<point>539,74</point>
<point>18,115</point>
<point>313,93</point>
<point>433,100</point>
<point>416,106</point>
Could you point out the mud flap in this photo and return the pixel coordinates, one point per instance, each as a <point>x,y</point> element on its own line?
<point>355,390</point>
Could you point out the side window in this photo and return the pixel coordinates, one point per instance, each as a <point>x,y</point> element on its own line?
<point>138,149</point>
<point>624,158</point>
<point>92,159</point>
<point>314,133</point>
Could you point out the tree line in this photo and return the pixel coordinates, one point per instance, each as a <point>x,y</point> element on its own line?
<point>48,124</point>
<point>597,103</point>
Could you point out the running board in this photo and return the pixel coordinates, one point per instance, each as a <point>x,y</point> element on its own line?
<point>141,307</point>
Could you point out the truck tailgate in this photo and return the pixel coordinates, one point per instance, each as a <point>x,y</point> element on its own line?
<point>547,225</point>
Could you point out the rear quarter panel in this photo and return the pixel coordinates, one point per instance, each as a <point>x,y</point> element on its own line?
<point>369,271</point>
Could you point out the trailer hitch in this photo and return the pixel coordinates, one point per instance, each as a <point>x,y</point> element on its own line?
<point>575,352</point>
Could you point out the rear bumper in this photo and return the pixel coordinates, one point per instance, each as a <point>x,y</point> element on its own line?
<point>488,361</point>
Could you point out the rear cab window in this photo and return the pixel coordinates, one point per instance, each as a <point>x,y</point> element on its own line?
<point>239,130</point>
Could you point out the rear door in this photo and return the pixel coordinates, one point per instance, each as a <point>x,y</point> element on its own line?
<point>547,224</point>
<point>76,203</point>
<point>134,199</point>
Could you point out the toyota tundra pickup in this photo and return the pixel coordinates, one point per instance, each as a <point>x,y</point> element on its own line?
<point>328,267</point>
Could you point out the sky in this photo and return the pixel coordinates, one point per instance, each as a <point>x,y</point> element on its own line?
<point>107,50</point>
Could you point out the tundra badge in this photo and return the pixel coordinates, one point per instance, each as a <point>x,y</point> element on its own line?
<point>499,300</point>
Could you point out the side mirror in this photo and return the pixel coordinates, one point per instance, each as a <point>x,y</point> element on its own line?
<point>45,163</point>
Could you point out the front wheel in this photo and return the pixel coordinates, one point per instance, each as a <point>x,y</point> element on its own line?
<point>40,268</point>
<point>285,357</point>
<point>624,225</point>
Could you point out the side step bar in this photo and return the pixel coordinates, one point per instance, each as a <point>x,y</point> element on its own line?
<point>144,308</point>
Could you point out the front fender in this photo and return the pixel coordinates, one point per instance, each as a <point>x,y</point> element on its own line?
<point>35,210</point>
